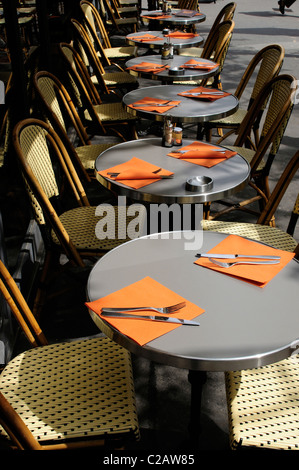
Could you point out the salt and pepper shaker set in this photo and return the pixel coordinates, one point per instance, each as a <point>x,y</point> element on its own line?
<point>171,135</point>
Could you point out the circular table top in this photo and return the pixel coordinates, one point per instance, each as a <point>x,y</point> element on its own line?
<point>243,326</point>
<point>178,43</point>
<point>189,110</point>
<point>177,61</point>
<point>228,177</point>
<point>173,17</point>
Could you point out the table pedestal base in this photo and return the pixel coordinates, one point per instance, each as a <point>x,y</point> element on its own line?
<point>197,380</point>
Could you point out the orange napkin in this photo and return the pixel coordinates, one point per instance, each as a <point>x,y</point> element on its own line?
<point>258,275</point>
<point>188,13</point>
<point>154,101</point>
<point>148,67</point>
<point>181,34</point>
<point>154,17</point>
<point>202,154</point>
<point>135,173</point>
<point>146,292</point>
<point>208,93</point>
<point>195,64</point>
<point>145,37</point>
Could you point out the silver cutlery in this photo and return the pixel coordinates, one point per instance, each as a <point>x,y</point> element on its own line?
<point>114,175</point>
<point>168,309</point>
<point>229,265</point>
<point>179,321</point>
<point>216,93</point>
<point>193,150</point>
<point>156,105</point>
<point>222,256</point>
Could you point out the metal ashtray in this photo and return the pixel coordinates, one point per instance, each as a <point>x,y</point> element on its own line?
<point>199,184</point>
<point>176,71</point>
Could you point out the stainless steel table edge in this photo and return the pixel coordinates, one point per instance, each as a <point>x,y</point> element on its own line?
<point>196,364</point>
<point>194,198</point>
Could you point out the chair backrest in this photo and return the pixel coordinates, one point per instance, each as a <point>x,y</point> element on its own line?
<point>294,218</point>
<point>96,26</point>
<point>279,190</point>
<point>266,64</point>
<point>218,46</point>
<point>35,144</point>
<point>188,4</point>
<point>279,93</point>
<point>85,45</point>
<point>225,14</point>
<point>60,111</point>
<point>84,90</point>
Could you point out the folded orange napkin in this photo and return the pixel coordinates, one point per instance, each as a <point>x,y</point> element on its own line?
<point>145,292</point>
<point>207,93</point>
<point>258,275</point>
<point>181,34</point>
<point>195,64</point>
<point>148,67</point>
<point>154,17</point>
<point>202,154</point>
<point>188,13</point>
<point>145,37</point>
<point>153,102</point>
<point>135,173</point>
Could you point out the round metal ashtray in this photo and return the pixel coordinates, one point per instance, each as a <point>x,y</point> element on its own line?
<point>199,184</point>
<point>176,71</point>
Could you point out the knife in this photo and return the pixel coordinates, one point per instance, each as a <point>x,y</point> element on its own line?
<point>180,321</point>
<point>213,255</point>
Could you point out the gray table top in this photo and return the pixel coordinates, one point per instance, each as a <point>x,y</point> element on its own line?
<point>178,43</point>
<point>243,326</point>
<point>189,110</point>
<point>173,19</point>
<point>228,177</point>
<point>177,61</point>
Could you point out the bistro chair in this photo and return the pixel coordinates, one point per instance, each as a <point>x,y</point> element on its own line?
<point>114,22</point>
<point>279,93</point>
<point>265,65</point>
<point>215,50</point>
<point>263,405</point>
<point>75,230</point>
<point>95,114</point>
<point>106,81</point>
<point>68,395</point>
<point>60,110</point>
<point>225,14</point>
<point>100,37</point>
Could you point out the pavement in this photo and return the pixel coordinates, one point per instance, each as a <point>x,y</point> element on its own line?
<point>163,393</point>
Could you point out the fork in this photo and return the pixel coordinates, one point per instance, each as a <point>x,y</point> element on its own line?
<point>169,309</point>
<point>229,265</point>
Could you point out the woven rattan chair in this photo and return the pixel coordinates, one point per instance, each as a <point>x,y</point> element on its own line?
<point>279,92</point>
<point>263,404</point>
<point>215,50</point>
<point>114,21</point>
<point>66,395</point>
<point>105,81</point>
<point>94,114</point>
<point>265,65</point>
<point>100,37</point>
<point>78,231</point>
<point>58,106</point>
<point>225,14</point>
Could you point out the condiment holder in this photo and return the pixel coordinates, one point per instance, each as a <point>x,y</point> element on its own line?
<point>176,71</point>
<point>199,184</point>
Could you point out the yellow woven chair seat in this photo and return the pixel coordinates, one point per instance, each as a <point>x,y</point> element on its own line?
<point>116,78</point>
<point>263,233</point>
<point>248,154</point>
<point>80,223</point>
<point>265,406</point>
<point>233,120</point>
<point>89,153</point>
<point>120,52</point>
<point>191,51</point>
<point>111,112</point>
<point>70,390</point>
